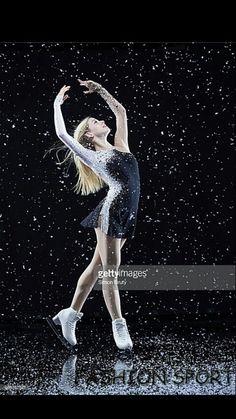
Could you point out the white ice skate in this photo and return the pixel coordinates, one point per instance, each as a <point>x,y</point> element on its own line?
<point>67,319</point>
<point>121,334</point>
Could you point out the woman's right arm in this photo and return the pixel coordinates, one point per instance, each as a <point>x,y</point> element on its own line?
<point>87,156</point>
<point>121,134</point>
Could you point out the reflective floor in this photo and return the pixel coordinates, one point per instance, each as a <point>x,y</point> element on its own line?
<point>168,359</point>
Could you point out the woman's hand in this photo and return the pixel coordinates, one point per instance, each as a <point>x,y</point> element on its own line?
<point>92,86</point>
<point>61,97</point>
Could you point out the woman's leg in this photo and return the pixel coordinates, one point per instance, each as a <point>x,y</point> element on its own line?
<point>86,282</point>
<point>110,253</point>
<point>68,317</point>
<point>88,279</point>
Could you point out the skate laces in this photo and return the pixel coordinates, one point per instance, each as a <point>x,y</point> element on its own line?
<point>122,330</point>
<point>72,323</point>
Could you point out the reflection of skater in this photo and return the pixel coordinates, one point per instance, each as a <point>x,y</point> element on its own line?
<point>76,380</point>
<point>122,368</point>
<point>68,375</point>
<point>98,164</point>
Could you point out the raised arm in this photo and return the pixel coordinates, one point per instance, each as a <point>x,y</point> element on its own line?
<point>87,156</point>
<point>121,135</point>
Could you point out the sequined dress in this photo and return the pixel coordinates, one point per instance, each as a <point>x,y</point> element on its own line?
<point>116,214</point>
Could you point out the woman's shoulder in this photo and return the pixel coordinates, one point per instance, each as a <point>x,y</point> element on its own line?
<point>122,149</point>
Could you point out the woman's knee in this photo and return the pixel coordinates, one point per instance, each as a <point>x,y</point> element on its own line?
<point>108,248</point>
<point>111,255</point>
<point>111,260</point>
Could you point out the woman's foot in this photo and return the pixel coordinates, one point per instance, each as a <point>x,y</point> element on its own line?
<point>67,319</point>
<point>121,334</point>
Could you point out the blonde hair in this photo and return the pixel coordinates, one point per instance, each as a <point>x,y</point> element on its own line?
<point>87,181</point>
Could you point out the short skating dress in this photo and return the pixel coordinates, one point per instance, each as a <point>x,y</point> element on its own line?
<point>116,214</point>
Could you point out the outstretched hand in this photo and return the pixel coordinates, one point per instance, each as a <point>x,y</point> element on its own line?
<point>92,86</point>
<point>61,96</point>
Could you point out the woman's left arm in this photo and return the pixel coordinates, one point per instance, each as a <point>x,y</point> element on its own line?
<point>121,135</point>
<point>89,157</point>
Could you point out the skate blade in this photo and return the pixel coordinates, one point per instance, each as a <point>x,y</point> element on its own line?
<point>52,325</point>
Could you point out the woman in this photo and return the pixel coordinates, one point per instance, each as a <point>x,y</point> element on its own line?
<point>114,219</point>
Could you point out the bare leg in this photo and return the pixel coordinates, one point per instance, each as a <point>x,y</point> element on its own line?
<point>87,280</point>
<point>110,254</point>
<point>68,317</point>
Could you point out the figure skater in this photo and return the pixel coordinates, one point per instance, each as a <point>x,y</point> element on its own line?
<point>98,164</point>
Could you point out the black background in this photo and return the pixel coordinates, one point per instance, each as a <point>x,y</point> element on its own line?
<point>180,100</point>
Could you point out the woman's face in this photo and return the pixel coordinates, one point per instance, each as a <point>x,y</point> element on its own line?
<point>98,128</point>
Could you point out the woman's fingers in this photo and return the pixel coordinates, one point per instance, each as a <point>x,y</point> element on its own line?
<point>82,83</point>
<point>64,89</point>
